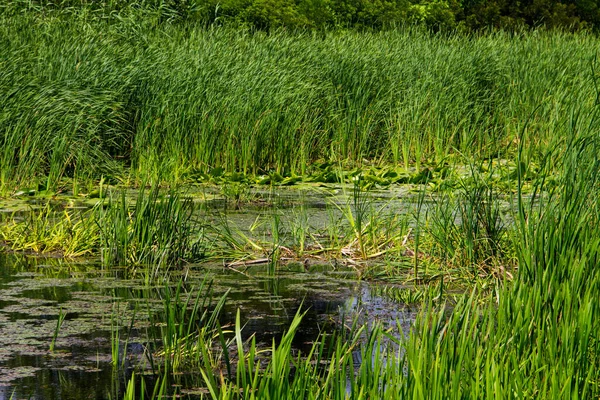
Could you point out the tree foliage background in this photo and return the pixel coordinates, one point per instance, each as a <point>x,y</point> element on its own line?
<point>465,15</point>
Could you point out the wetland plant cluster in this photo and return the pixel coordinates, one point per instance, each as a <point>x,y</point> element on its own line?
<point>156,229</point>
<point>511,311</point>
<point>501,255</point>
<point>534,336</point>
<point>130,99</point>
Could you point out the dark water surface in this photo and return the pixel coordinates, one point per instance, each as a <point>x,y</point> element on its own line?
<point>97,301</point>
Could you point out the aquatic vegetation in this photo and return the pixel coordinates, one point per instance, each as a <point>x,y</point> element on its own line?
<point>327,370</point>
<point>158,229</point>
<point>468,229</point>
<point>70,233</point>
<point>59,321</point>
<point>159,391</point>
<point>300,228</point>
<point>375,231</point>
<point>187,326</point>
<point>537,338</point>
<point>117,101</point>
<point>494,137</point>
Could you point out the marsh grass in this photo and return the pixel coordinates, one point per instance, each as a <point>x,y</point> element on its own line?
<point>59,322</point>
<point>539,337</point>
<point>69,233</point>
<point>467,228</point>
<point>300,229</point>
<point>535,336</point>
<point>129,99</point>
<point>364,230</point>
<point>158,229</point>
<point>187,331</point>
<point>159,391</point>
<point>120,96</point>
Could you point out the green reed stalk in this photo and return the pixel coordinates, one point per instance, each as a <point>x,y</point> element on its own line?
<point>59,321</point>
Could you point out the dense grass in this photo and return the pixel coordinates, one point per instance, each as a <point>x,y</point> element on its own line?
<point>158,230</point>
<point>85,98</point>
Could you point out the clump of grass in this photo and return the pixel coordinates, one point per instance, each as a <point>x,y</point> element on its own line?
<point>365,230</point>
<point>466,229</point>
<point>158,229</point>
<point>159,391</point>
<point>68,233</point>
<point>185,331</point>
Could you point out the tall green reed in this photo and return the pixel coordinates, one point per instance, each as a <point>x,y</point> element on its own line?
<point>467,228</point>
<point>119,100</point>
<point>159,229</point>
<point>537,337</point>
<point>187,329</point>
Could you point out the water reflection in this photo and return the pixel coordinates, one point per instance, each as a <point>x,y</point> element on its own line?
<point>33,291</point>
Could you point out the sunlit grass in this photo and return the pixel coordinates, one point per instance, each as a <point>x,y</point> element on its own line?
<point>129,101</point>
<point>86,100</point>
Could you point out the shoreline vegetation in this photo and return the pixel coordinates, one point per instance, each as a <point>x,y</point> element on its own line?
<point>131,101</point>
<point>495,135</point>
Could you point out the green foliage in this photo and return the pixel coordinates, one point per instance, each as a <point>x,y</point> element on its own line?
<point>118,98</point>
<point>468,229</point>
<point>512,14</point>
<point>67,233</point>
<point>157,229</point>
<point>437,14</point>
<point>319,14</point>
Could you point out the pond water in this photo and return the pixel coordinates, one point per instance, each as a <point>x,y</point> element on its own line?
<point>97,301</point>
<point>34,291</point>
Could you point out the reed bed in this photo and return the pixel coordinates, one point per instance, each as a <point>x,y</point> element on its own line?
<point>138,100</point>
<point>534,337</point>
<point>86,98</point>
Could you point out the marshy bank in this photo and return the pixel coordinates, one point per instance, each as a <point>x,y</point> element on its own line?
<point>473,289</point>
<point>224,213</point>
